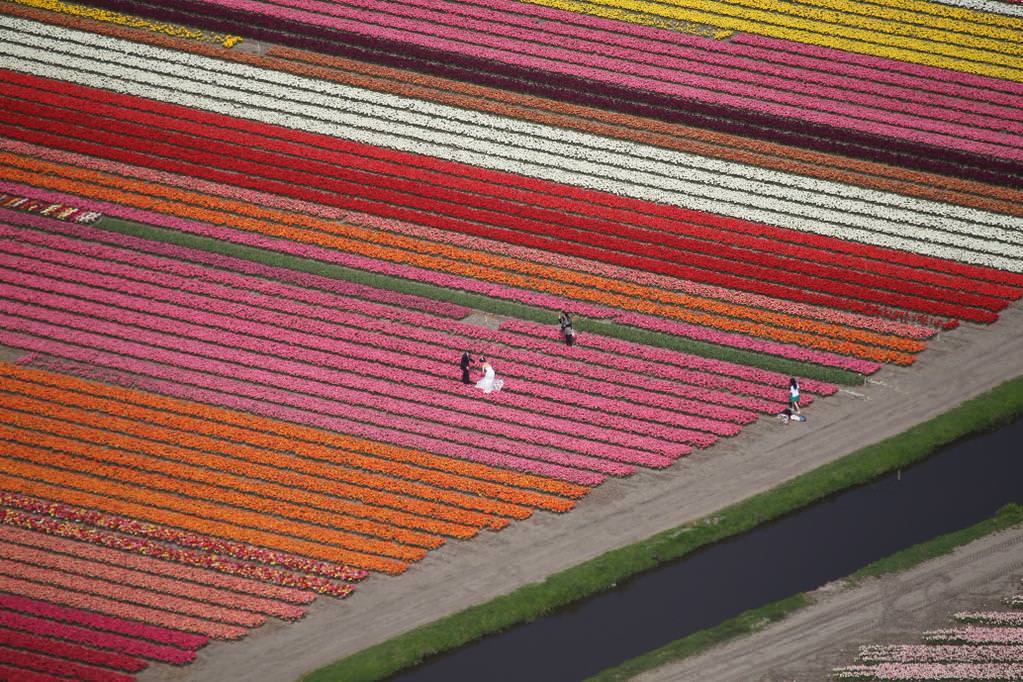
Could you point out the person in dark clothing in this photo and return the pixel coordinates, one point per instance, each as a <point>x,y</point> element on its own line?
<point>465,364</point>
<point>567,331</point>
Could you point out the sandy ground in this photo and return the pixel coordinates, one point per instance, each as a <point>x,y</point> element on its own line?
<point>958,365</point>
<point>895,609</point>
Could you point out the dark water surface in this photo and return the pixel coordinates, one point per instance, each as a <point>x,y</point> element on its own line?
<point>957,487</point>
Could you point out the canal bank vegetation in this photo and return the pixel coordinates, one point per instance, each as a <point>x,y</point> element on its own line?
<point>754,620</point>
<point>999,406</point>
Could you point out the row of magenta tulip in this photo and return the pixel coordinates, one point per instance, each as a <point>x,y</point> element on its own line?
<point>49,668</point>
<point>26,641</point>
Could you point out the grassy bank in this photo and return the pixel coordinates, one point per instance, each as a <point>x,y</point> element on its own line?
<point>757,619</point>
<point>484,303</point>
<point>989,410</point>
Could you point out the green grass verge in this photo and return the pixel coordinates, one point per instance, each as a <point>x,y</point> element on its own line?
<point>753,620</point>
<point>998,406</point>
<point>484,303</point>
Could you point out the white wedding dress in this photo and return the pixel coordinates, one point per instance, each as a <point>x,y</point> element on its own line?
<point>489,383</point>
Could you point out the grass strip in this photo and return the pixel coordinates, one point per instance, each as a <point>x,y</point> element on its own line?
<point>484,303</point>
<point>746,623</point>
<point>771,363</point>
<point>996,407</point>
<point>757,619</point>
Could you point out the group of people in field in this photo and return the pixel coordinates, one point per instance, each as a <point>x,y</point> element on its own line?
<point>489,383</point>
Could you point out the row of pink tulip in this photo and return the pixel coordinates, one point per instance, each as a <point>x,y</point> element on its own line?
<point>676,60</point>
<point>767,51</point>
<point>641,277</point>
<point>24,661</point>
<point>368,360</point>
<point>180,276</point>
<point>267,565</point>
<point>414,345</point>
<point>918,76</point>
<point>92,637</point>
<point>216,390</point>
<point>933,672</point>
<point>386,364</point>
<point>940,653</point>
<point>274,385</point>
<point>269,379</point>
<point>402,331</point>
<point>973,634</point>
<point>74,652</point>
<point>102,580</point>
<point>153,574</point>
<point>551,302</point>
<point>68,594</point>
<point>365,367</point>
<point>153,557</point>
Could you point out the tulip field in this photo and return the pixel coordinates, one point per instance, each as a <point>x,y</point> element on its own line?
<point>985,646</point>
<point>243,244</point>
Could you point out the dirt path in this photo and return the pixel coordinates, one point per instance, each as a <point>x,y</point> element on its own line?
<point>960,364</point>
<point>896,609</point>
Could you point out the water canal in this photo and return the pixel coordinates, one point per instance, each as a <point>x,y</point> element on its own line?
<point>956,487</point>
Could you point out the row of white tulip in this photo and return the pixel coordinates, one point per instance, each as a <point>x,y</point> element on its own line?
<point>509,145</point>
<point>932,672</point>
<point>940,653</point>
<point>992,6</point>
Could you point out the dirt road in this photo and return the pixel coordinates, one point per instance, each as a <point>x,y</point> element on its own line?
<point>957,366</point>
<point>895,609</point>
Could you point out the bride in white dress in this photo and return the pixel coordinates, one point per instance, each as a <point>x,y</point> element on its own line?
<point>489,383</point>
